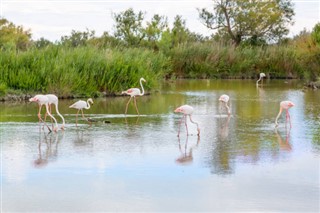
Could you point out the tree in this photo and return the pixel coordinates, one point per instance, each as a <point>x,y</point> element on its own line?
<point>13,36</point>
<point>254,20</point>
<point>155,29</point>
<point>128,26</point>
<point>42,43</point>
<point>77,38</point>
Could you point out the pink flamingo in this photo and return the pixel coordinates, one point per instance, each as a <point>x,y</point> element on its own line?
<point>133,92</point>
<point>53,99</point>
<point>80,105</point>
<point>43,100</point>
<point>285,105</point>
<point>187,111</point>
<point>262,75</point>
<point>225,99</point>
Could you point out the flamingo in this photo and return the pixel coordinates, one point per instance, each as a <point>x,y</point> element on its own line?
<point>225,99</point>
<point>80,105</point>
<point>133,92</point>
<point>53,99</point>
<point>262,75</point>
<point>285,105</point>
<point>43,100</point>
<point>187,111</point>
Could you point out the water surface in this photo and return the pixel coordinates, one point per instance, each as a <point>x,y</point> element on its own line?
<point>137,163</point>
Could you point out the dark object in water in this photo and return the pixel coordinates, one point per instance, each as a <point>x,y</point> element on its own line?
<point>106,122</point>
<point>91,120</point>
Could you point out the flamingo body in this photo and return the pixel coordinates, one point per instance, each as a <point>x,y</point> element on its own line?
<point>80,105</point>
<point>225,99</point>
<point>284,105</point>
<point>186,110</point>
<point>133,92</point>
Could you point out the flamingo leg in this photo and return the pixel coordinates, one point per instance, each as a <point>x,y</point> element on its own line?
<point>40,119</point>
<point>48,111</point>
<point>135,104</point>
<point>128,105</point>
<point>185,122</point>
<point>77,117</point>
<point>180,125</point>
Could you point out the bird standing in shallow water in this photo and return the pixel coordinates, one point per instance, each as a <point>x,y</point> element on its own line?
<point>225,99</point>
<point>186,110</point>
<point>133,92</point>
<point>80,105</point>
<point>262,75</point>
<point>285,105</point>
<point>53,99</point>
<point>43,100</point>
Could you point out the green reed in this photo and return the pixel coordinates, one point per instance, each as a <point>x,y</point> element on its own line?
<point>83,71</point>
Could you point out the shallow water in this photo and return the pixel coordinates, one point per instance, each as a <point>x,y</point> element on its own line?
<point>239,163</point>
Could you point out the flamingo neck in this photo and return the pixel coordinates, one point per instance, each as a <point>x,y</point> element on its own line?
<point>259,80</point>
<point>88,105</point>
<point>141,88</point>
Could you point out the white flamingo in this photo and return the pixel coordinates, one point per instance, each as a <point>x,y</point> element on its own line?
<point>53,99</point>
<point>225,99</point>
<point>285,105</point>
<point>133,92</point>
<point>186,110</point>
<point>262,75</point>
<point>80,105</point>
<point>43,100</point>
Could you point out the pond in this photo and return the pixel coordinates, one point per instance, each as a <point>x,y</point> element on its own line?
<point>137,163</point>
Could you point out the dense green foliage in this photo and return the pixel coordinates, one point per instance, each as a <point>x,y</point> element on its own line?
<point>80,71</point>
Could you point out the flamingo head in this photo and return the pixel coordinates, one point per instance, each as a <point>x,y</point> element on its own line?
<point>90,100</point>
<point>179,109</point>
<point>34,99</point>
<point>142,79</point>
<point>262,75</point>
<point>290,104</point>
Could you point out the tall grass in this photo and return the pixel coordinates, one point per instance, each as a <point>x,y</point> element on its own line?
<point>81,71</point>
<point>218,61</point>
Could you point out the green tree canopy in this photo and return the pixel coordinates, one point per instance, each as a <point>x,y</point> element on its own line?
<point>12,36</point>
<point>240,20</point>
<point>128,26</point>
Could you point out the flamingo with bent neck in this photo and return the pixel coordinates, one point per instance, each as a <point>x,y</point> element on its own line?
<point>43,100</point>
<point>262,75</point>
<point>53,99</point>
<point>133,92</point>
<point>285,105</point>
<point>80,105</point>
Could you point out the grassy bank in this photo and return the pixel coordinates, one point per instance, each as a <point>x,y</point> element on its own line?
<point>90,71</point>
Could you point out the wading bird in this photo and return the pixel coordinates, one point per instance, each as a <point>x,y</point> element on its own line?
<point>225,99</point>
<point>262,75</point>
<point>285,105</point>
<point>80,105</point>
<point>43,100</point>
<point>186,110</point>
<point>133,92</point>
<point>53,99</point>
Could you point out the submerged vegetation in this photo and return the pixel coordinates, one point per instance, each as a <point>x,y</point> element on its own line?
<point>85,65</point>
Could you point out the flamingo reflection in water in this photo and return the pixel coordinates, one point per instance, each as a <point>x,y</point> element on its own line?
<point>224,129</point>
<point>284,144</point>
<point>186,156</point>
<point>50,152</point>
